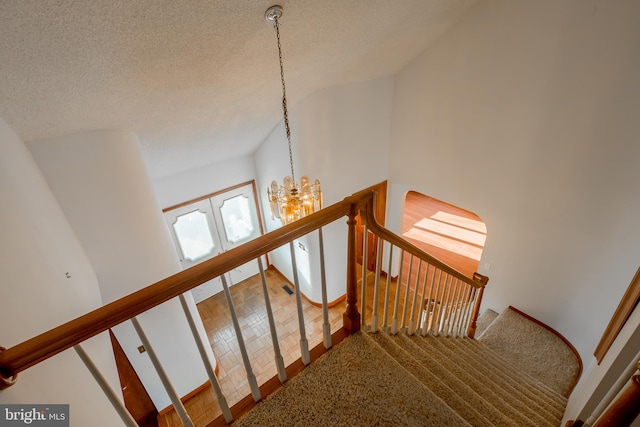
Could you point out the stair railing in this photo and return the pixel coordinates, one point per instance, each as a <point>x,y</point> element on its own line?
<point>621,406</point>
<point>72,334</point>
<point>451,309</point>
<point>625,408</point>
<point>429,297</point>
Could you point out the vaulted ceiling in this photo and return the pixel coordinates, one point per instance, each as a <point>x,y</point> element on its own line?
<point>196,80</point>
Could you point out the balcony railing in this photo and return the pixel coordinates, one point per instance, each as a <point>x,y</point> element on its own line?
<point>433,299</point>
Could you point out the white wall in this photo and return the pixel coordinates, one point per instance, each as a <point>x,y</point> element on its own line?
<point>527,113</point>
<point>340,136</point>
<point>101,182</point>
<point>192,184</point>
<point>599,379</point>
<point>38,249</point>
<point>543,127</point>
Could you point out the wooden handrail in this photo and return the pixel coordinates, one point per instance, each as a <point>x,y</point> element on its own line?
<point>368,216</point>
<point>625,409</point>
<point>37,349</point>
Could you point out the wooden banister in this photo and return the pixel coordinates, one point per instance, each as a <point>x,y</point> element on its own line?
<point>477,282</point>
<point>368,215</point>
<point>37,349</point>
<point>625,409</point>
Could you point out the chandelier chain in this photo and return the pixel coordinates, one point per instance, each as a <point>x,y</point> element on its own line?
<point>284,99</point>
<point>290,202</point>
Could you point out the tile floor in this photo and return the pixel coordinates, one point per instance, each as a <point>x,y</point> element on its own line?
<point>249,305</point>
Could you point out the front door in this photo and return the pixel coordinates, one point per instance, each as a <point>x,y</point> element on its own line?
<point>207,227</point>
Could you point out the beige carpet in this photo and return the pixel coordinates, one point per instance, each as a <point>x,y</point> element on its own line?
<point>354,384</point>
<point>534,349</point>
<point>384,380</point>
<point>484,321</point>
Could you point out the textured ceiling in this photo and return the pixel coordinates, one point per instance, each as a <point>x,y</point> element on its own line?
<point>197,81</point>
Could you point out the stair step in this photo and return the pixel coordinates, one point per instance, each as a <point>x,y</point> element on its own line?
<point>535,349</point>
<point>356,383</point>
<point>490,379</point>
<point>516,411</point>
<point>485,356</point>
<point>484,321</point>
<point>454,393</point>
<point>400,380</point>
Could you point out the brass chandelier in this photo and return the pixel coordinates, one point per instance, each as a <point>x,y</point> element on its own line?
<point>290,201</point>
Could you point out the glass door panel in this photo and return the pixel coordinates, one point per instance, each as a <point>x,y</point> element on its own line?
<point>236,215</point>
<point>196,238</point>
<point>193,235</point>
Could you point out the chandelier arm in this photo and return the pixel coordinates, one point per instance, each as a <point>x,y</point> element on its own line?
<point>284,98</point>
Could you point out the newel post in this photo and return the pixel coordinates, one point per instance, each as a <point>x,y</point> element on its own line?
<point>476,309</point>
<point>351,316</point>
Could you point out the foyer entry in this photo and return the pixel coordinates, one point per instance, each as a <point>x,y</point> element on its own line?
<point>205,227</point>
<point>452,234</point>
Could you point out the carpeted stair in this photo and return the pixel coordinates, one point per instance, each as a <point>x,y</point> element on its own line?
<point>376,379</point>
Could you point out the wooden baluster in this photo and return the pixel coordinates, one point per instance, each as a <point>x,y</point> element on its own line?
<point>472,298</point>
<point>476,309</point>
<point>442,308</point>
<point>464,309</point>
<point>164,378</point>
<point>387,292</point>
<point>442,302</point>
<point>364,269</point>
<point>625,409</point>
<point>470,304</point>
<point>396,305</point>
<point>447,305</point>
<point>415,300</point>
<point>326,326</point>
<point>427,304</point>
<point>213,379</point>
<point>421,316</point>
<point>282,373</point>
<point>251,378</point>
<point>126,417</point>
<point>453,312</point>
<point>376,289</point>
<point>461,304</point>
<point>406,293</point>
<point>436,305</point>
<point>304,344</point>
<point>351,316</point>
